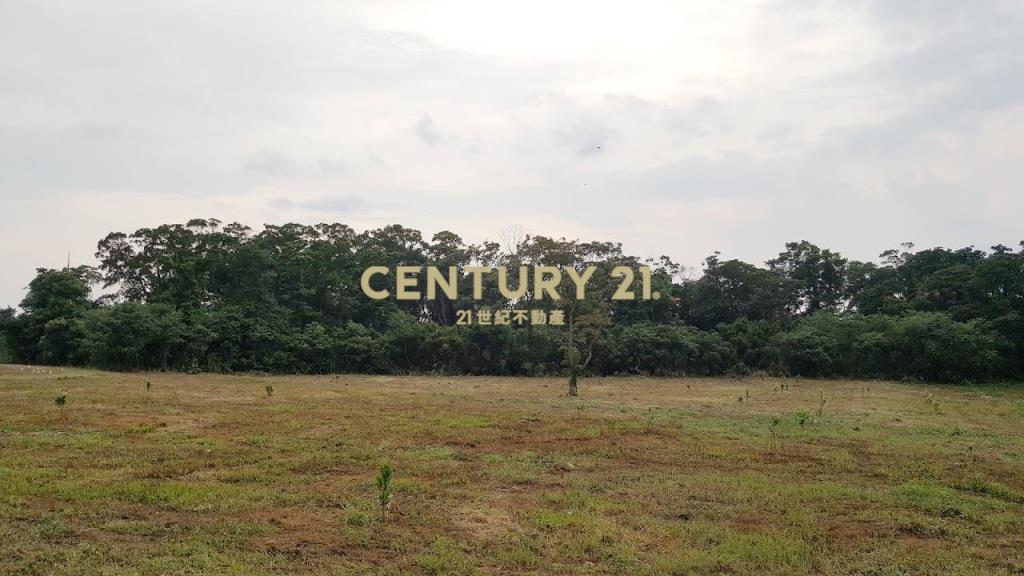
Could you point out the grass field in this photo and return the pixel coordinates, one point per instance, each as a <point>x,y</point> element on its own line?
<point>211,475</point>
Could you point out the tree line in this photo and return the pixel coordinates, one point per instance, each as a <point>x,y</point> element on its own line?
<point>204,296</point>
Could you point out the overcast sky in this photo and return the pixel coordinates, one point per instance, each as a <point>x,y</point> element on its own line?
<point>674,127</point>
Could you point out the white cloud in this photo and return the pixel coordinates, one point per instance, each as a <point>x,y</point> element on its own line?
<point>676,127</point>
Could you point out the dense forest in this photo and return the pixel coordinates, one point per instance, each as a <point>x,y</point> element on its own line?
<point>210,297</point>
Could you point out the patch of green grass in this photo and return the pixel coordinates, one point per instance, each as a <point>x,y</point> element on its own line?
<point>552,520</point>
<point>715,550</point>
<point>465,422</point>
<point>991,489</point>
<point>445,557</point>
<point>945,502</point>
<point>522,469</point>
<point>202,474</point>
<point>523,553</point>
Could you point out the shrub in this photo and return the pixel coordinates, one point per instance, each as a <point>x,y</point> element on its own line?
<point>384,488</point>
<point>807,352</point>
<point>932,346</point>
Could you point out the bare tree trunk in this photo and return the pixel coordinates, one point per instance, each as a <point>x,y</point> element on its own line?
<point>571,351</point>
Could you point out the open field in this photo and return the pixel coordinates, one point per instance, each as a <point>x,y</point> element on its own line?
<point>208,474</point>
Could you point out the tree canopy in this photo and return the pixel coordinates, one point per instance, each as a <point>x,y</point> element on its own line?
<point>213,297</point>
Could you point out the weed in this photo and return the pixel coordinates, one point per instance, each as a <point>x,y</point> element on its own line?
<point>445,557</point>
<point>656,479</point>
<point>358,519</point>
<point>773,430</point>
<point>384,489</point>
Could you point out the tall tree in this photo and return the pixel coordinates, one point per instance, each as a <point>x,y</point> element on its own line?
<point>817,275</point>
<point>731,290</point>
<point>56,299</point>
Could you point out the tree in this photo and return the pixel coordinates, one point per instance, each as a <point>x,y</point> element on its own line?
<point>587,317</point>
<point>817,276</point>
<point>670,350</point>
<point>134,336</point>
<point>584,331</point>
<point>446,250</point>
<point>56,299</point>
<point>732,290</point>
<point>7,322</point>
<point>932,346</point>
<point>201,295</point>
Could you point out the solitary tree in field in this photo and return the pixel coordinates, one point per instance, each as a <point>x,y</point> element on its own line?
<point>584,331</point>
<point>586,318</point>
<point>384,488</point>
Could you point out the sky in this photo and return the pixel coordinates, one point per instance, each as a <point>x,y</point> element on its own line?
<point>675,127</point>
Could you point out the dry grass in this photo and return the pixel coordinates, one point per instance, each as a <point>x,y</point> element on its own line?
<point>206,474</point>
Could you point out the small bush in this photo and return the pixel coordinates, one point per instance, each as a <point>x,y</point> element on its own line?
<point>384,489</point>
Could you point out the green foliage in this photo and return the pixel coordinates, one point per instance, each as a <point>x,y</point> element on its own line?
<point>807,352</point>
<point>383,482</point>
<point>47,332</point>
<point>203,296</point>
<point>60,401</point>
<point>134,336</point>
<point>816,276</point>
<point>932,346</point>
<point>732,290</point>
<point>445,558</point>
<point>667,350</point>
<point>6,355</point>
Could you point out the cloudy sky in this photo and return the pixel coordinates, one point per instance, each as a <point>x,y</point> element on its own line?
<point>674,127</point>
